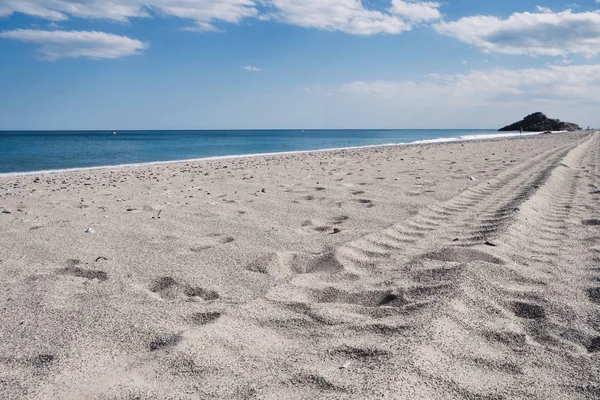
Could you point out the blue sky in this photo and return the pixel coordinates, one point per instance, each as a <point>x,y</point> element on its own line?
<point>268,64</point>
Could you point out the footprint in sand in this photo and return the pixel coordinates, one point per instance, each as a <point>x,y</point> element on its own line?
<point>527,310</point>
<point>164,342</point>
<point>310,227</point>
<point>340,219</point>
<point>43,360</point>
<point>288,263</point>
<point>169,289</point>
<point>72,269</point>
<point>205,318</point>
<point>367,203</point>
<point>369,299</point>
<point>212,240</point>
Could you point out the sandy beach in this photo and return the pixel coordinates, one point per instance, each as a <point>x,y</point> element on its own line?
<point>465,270</point>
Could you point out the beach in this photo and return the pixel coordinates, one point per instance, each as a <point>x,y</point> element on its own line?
<point>460,270</point>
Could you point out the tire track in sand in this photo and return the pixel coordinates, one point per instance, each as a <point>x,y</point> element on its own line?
<point>523,327</point>
<point>475,313</point>
<point>434,227</point>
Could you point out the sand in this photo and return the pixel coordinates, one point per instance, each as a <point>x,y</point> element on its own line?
<point>466,270</point>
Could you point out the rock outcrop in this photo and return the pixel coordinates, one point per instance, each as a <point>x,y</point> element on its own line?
<point>538,122</point>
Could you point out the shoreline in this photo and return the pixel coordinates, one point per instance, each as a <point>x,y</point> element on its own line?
<point>465,138</point>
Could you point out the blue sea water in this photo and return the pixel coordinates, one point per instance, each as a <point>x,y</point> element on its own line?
<point>52,150</point>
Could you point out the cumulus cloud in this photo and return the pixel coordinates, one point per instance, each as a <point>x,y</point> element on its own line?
<point>553,83</point>
<point>203,12</point>
<point>547,33</point>
<point>55,45</point>
<point>417,11</point>
<point>61,10</point>
<point>350,16</point>
<point>252,68</point>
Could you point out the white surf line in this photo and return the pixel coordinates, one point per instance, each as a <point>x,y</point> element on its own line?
<point>216,158</point>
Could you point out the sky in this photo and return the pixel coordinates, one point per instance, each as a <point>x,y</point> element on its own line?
<point>296,64</point>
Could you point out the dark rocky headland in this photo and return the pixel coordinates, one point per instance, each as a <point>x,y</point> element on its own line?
<point>539,122</point>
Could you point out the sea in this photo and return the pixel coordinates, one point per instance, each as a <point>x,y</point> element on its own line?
<point>48,151</point>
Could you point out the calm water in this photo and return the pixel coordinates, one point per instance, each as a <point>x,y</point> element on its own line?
<point>37,151</point>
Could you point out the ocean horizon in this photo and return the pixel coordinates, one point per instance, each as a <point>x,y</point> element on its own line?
<point>48,151</point>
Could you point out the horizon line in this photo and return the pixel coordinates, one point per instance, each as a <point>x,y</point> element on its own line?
<point>241,130</point>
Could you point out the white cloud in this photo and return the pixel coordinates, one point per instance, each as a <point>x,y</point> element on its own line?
<point>348,16</point>
<point>252,68</point>
<point>416,11</point>
<point>550,34</point>
<point>553,84</point>
<point>351,16</point>
<point>544,9</point>
<point>60,10</point>
<point>484,98</point>
<point>73,44</point>
<point>33,8</point>
<point>203,12</point>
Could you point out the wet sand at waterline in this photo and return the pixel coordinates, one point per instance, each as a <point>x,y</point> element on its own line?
<point>465,270</point>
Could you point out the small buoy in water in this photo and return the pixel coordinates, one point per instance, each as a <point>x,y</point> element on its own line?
<point>114,133</point>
